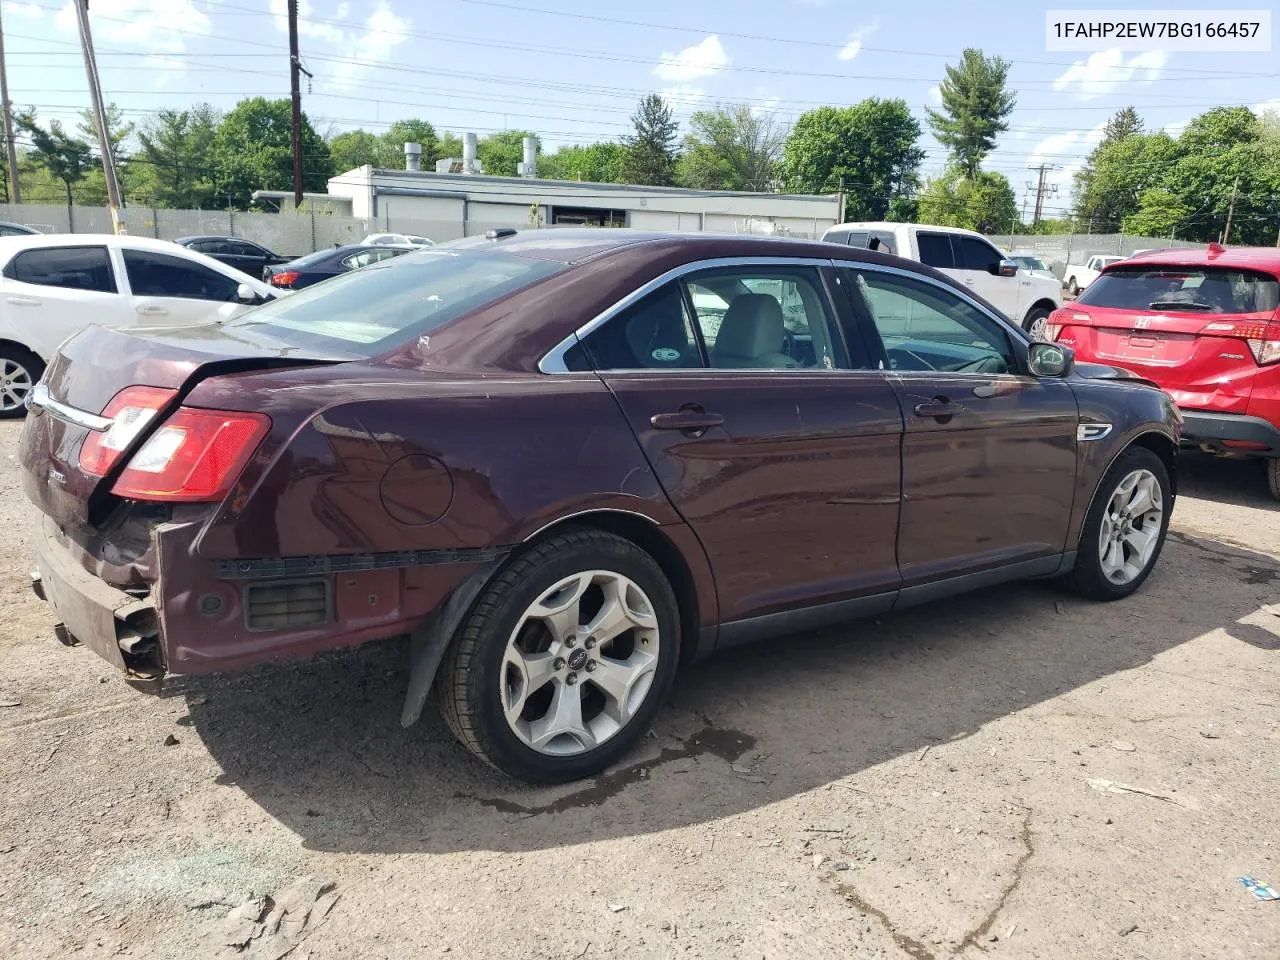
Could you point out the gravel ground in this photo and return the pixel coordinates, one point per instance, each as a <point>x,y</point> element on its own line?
<point>950,781</point>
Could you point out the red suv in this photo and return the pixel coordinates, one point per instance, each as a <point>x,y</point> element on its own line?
<point>1204,325</point>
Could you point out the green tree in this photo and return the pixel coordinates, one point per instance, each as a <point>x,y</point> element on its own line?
<point>355,148</point>
<point>873,146</point>
<point>1158,215</point>
<point>984,203</point>
<point>501,153</point>
<point>595,162</point>
<point>731,148</point>
<point>171,168</point>
<point>1117,174</point>
<point>252,150</point>
<point>413,130</point>
<point>66,158</point>
<point>449,145</point>
<point>651,150</point>
<point>1125,122</point>
<point>975,108</point>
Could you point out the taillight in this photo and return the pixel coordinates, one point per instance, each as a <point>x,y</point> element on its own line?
<point>285,278</point>
<point>130,411</point>
<point>195,455</point>
<point>1263,337</point>
<point>1064,317</point>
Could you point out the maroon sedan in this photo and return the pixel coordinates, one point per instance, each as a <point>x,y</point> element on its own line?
<point>566,462</point>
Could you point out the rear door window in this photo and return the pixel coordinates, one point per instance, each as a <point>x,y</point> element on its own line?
<point>76,268</point>
<point>654,333</point>
<point>160,275</point>
<point>1217,290</point>
<point>935,250</point>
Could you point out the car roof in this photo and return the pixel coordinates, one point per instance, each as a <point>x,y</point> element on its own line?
<point>891,225</point>
<point>12,244</point>
<point>1253,258</point>
<point>214,236</point>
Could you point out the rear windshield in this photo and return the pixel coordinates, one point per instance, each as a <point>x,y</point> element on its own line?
<point>372,310</point>
<point>1184,289</point>
<point>312,258</point>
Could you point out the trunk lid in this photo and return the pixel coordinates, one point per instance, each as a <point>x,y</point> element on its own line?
<point>96,364</point>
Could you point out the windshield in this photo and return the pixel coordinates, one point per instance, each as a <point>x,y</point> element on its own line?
<point>1030,263</point>
<point>1189,289</point>
<point>369,311</point>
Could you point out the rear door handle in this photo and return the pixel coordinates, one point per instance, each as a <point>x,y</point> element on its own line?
<point>23,301</point>
<point>939,408</point>
<point>151,310</point>
<point>691,421</point>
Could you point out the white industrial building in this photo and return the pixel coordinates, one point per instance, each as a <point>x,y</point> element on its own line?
<point>448,205</point>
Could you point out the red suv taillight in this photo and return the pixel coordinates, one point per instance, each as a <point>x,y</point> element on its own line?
<point>285,278</point>
<point>130,411</point>
<point>1064,317</point>
<point>1262,336</point>
<point>195,455</point>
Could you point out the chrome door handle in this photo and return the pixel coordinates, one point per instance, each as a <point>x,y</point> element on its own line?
<point>23,301</point>
<point>939,408</point>
<point>691,420</point>
<point>151,310</point>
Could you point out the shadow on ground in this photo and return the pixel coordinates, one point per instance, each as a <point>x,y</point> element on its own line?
<point>1223,480</point>
<point>319,747</point>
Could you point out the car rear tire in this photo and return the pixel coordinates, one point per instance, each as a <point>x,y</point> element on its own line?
<point>1036,323</point>
<point>19,372</point>
<point>1273,476</point>
<point>564,660</point>
<point>1125,528</point>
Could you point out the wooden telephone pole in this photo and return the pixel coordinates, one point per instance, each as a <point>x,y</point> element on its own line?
<point>1231,212</point>
<point>114,203</point>
<point>11,154</point>
<point>295,93</point>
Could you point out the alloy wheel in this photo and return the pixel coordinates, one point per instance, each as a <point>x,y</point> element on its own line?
<point>579,663</point>
<point>15,385</point>
<point>1039,326</point>
<point>1131,525</point>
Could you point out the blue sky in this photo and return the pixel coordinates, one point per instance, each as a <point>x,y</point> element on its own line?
<point>573,71</point>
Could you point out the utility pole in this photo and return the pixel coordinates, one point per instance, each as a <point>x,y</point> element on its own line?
<point>1231,211</point>
<point>1043,168</point>
<point>100,117</point>
<point>295,92</point>
<point>11,154</point>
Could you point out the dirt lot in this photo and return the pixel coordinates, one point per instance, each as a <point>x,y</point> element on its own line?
<point>933,784</point>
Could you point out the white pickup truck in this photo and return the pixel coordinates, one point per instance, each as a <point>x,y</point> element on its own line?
<point>1078,276</point>
<point>1022,296</point>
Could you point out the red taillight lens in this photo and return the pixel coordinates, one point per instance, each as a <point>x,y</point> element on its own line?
<point>285,278</point>
<point>130,411</point>
<point>1064,317</point>
<point>1263,337</point>
<point>195,455</point>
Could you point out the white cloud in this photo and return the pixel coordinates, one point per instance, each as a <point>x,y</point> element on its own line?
<point>149,24</point>
<point>28,11</point>
<point>1265,105</point>
<point>1105,70</point>
<point>854,46</point>
<point>344,11</point>
<point>935,94</point>
<point>701,60</point>
<point>1175,128</point>
<point>384,30</point>
<point>325,32</point>
<point>1065,152</point>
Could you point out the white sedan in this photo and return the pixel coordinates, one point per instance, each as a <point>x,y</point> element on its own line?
<point>398,240</point>
<point>52,286</point>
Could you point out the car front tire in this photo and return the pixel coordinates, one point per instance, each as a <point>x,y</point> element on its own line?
<point>1125,528</point>
<point>564,660</point>
<point>19,372</point>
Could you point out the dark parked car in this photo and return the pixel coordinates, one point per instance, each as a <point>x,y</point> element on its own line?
<point>244,255</point>
<point>568,461</point>
<point>331,262</point>
<point>8,229</point>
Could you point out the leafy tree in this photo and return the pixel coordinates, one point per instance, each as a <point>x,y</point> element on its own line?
<point>651,150</point>
<point>984,203</point>
<point>449,145</point>
<point>595,162</point>
<point>172,165</point>
<point>252,150</point>
<point>1159,213</point>
<point>355,148</point>
<point>1108,188</point>
<point>731,148</point>
<point>66,158</point>
<point>118,129</point>
<point>873,146</point>
<point>501,153</point>
<point>975,108</point>
<point>413,130</point>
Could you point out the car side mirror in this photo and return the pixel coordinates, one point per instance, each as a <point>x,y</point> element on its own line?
<point>1004,268</point>
<point>1050,359</point>
<point>246,294</point>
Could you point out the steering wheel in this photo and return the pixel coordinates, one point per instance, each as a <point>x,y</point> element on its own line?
<point>988,364</point>
<point>789,343</point>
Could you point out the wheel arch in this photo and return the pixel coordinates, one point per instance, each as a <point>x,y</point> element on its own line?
<point>1044,303</point>
<point>1158,443</point>
<point>655,540</point>
<point>6,343</point>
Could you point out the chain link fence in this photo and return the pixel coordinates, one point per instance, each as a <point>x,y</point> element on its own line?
<point>1057,250</point>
